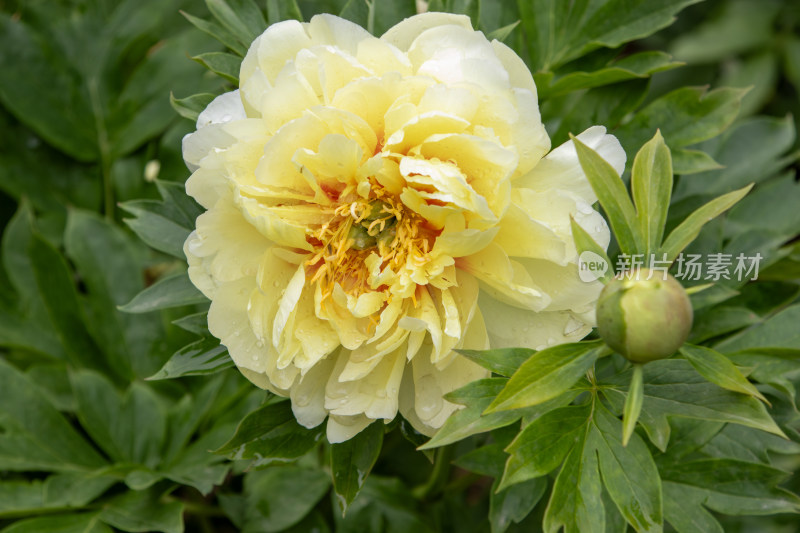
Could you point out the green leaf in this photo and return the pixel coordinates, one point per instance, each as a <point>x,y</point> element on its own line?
<point>687,514</point>
<point>585,243</point>
<point>543,444</point>
<point>778,368</point>
<point>504,361</point>
<point>112,271</point>
<point>633,405</point>
<point>640,65</point>
<point>242,18</point>
<point>613,196</point>
<point>730,486</point>
<point>172,291</point>
<point>778,331</point>
<point>154,225</point>
<point>218,32</point>
<point>70,523</point>
<point>24,321</point>
<point>736,28</point>
<point>719,321</point>
<point>629,473</point>
<point>222,64</point>
<point>547,374</point>
<point>278,10</point>
<point>750,152</point>
<point>718,369</point>
<point>685,116</point>
<point>279,497</point>
<point>269,434</point>
<point>195,466</point>
<point>385,504</point>
<point>362,12</point>
<point>57,492</point>
<point>673,388</point>
<point>651,187</point>
<point>24,58</point>
<point>488,460</point>
<point>352,460</point>
<point>608,105</point>
<point>143,511</point>
<point>501,34</point>
<point>196,323</point>
<point>576,503</point>
<point>513,504</point>
<point>476,396</point>
<point>746,444</point>
<point>689,229</point>
<point>558,32</point>
<point>692,161</point>
<point>164,225</point>
<point>770,207</point>
<point>191,106</point>
<point>55,283</point>
<point>182,207</point>
<point>35,436</point>
<point>130,428</point>
<point>206,356</point>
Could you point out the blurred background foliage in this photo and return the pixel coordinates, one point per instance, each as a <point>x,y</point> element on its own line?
<point>86,444</point>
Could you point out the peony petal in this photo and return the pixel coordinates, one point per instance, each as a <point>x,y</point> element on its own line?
<point>329,29</point>
<point>228,321</point>
<point>270,52</point>
<point>432,383</point>
<point>560,169</point>
<point>374,395</point>
<point>521,235</point>
<point>453,55</point>
<point>518,72</point>
<point>342,428</point>
<point>405,32</point>
<point>505,279</point>
<point>511,327</point>
<point>308,395</point>
<point>563,284</point>
<point>224,247</point>
<point>224,108</point>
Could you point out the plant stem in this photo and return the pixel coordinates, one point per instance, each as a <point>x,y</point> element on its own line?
<point>439,475</point>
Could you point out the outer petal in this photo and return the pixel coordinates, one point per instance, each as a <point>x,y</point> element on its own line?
<point>405,32</point>
<point>513,327</point>
<point>560,169</point>
<point>342,428</point>
<point>224,108</point>
<point>228,321</point>
<point>224,247</point>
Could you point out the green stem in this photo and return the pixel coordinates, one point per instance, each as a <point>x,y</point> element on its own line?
<point>104,148</point>
<point>439,475</point>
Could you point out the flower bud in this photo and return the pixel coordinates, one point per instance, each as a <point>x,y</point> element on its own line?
<point>644,316</point>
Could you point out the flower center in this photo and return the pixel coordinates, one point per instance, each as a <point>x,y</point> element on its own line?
<point>381,225</point>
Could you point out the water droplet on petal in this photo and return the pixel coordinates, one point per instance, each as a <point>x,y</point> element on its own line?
<point>572,326</point>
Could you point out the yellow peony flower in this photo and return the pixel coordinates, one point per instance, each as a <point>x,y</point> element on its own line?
<point>374,204</point>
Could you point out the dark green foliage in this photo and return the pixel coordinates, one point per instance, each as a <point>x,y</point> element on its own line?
<point>113,394</point>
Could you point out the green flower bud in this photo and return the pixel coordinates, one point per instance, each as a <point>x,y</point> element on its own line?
<point>644,319</point>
